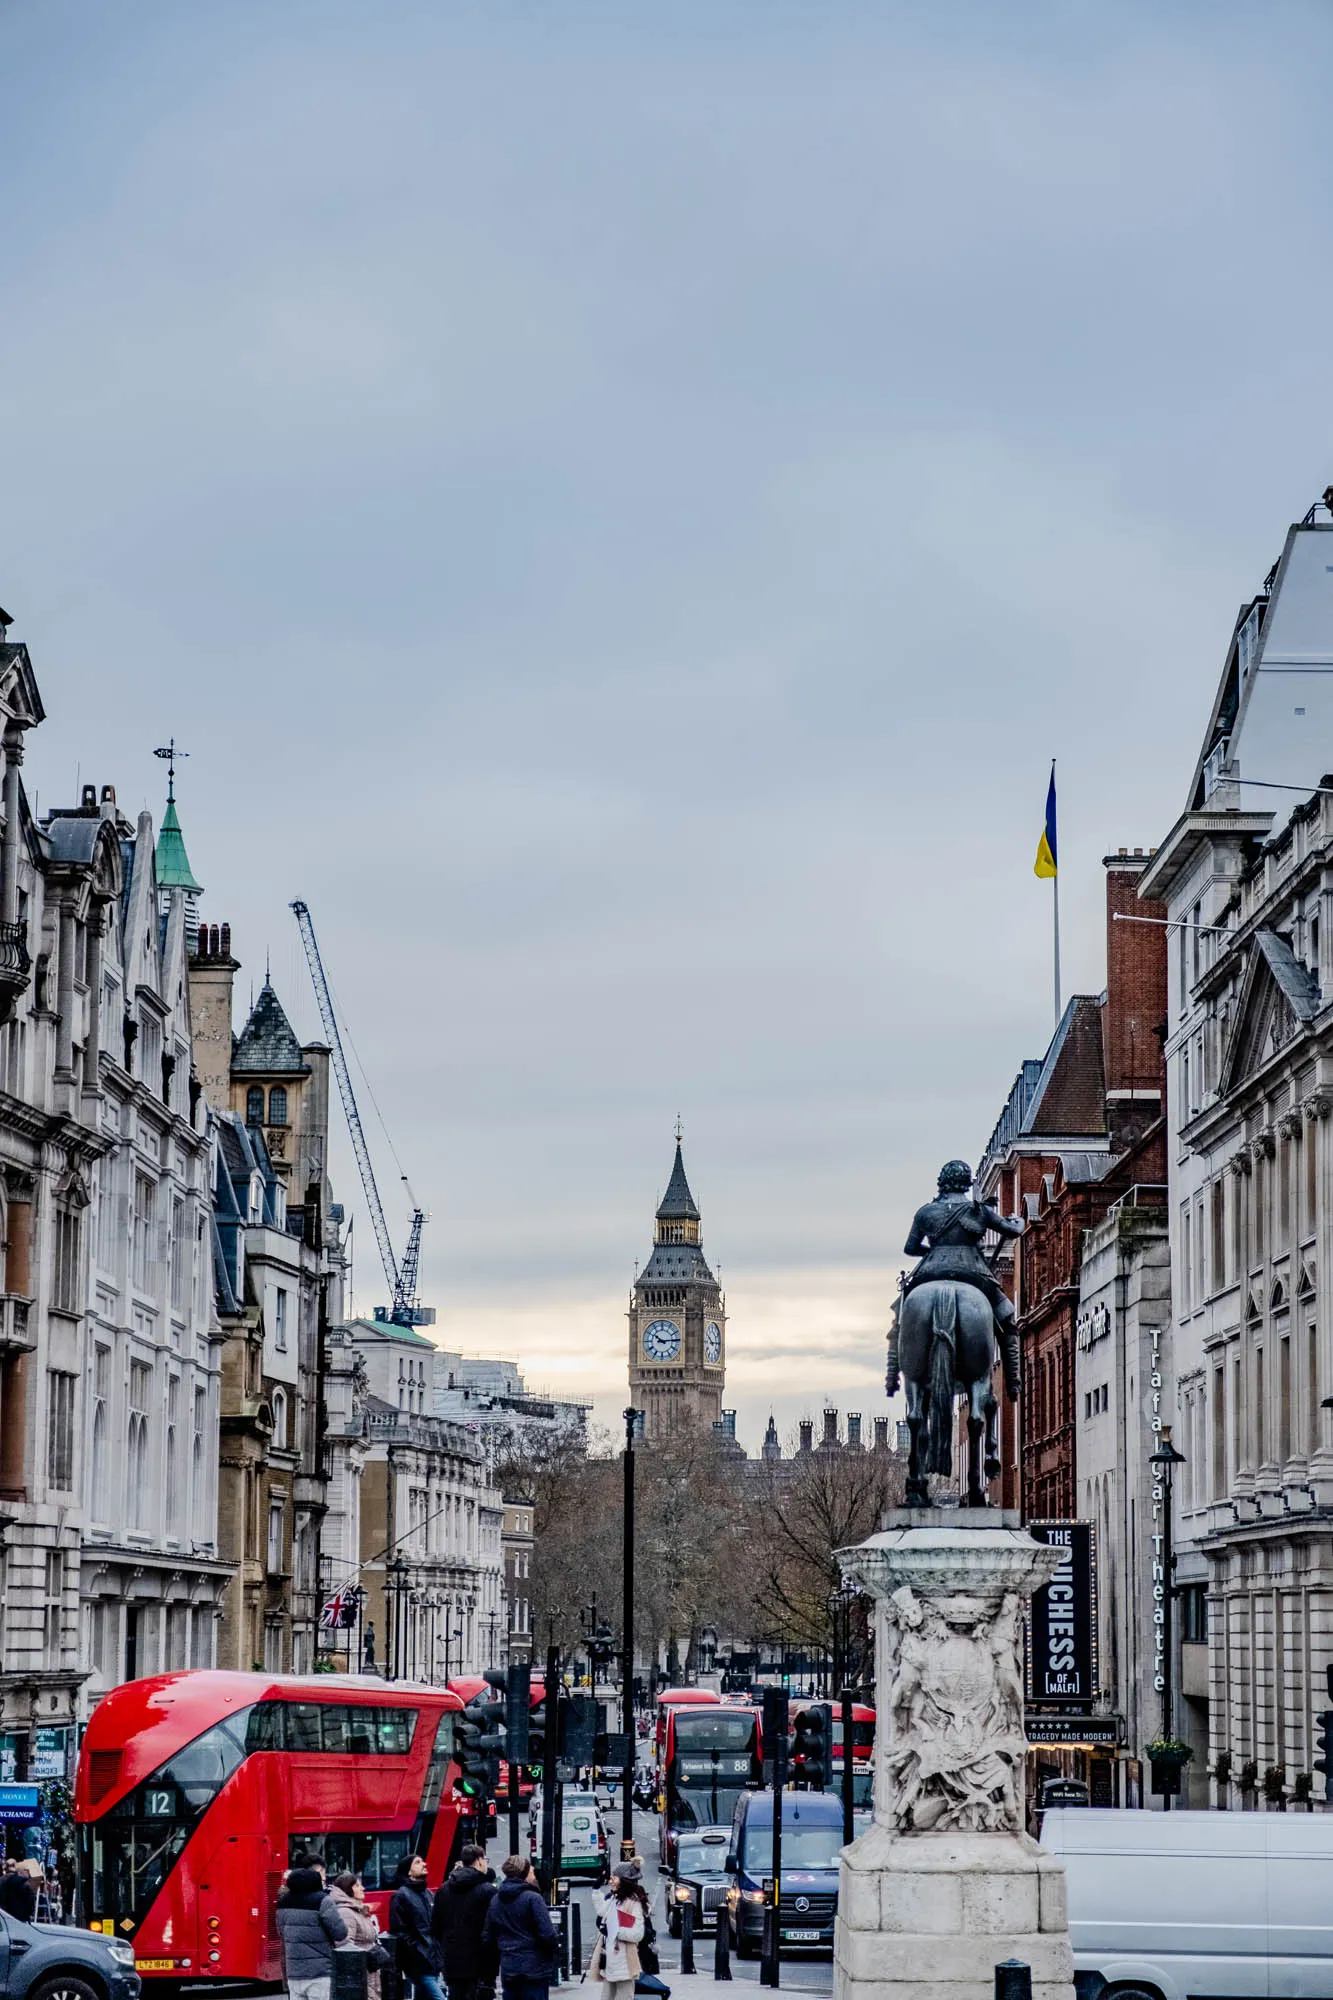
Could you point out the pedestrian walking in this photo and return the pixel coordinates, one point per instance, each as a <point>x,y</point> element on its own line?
<point>18,1890</point>
<point>348,1895</point>
<point>309,1927</point>
<point>519,1925</point>
<point>459,1923</point>
<point>410,1909</point>
<point>621,1910</point>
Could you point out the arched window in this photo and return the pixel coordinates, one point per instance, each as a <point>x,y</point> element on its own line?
<point>277,1104</point>
<point>280,1418</point>
<point>254,1104</point>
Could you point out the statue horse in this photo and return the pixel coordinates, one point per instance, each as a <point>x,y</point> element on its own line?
<point>944,1346</point>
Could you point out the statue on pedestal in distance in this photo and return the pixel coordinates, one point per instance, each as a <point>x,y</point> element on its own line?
<point>948,1318</point>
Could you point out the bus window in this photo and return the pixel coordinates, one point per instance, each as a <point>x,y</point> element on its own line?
<point>328,1727</point>
<point>142,1837</point>
<point>372,1856</point>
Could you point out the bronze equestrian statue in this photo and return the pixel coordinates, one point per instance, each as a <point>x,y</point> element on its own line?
<point>948,1318</point>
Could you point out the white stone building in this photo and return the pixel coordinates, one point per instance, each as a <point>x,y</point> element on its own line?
<point>108,1369</point>
<point>1248,884</point>
<point>412,1495</point>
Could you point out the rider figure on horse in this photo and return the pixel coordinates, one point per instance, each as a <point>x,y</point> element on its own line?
<point>946,1234</point>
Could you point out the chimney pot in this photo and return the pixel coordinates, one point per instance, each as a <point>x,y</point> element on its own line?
<point>225,947</point>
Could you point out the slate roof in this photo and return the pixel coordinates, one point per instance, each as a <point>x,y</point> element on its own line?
<point>73,837</point>
<point>1070,1095</point>
<point>1297,984</point>
<point>676,1264</point>
<point>267,1044</point>
<point>678,1202</point>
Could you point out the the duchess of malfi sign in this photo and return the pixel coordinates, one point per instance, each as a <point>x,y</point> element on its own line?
<point>1062,1625</point>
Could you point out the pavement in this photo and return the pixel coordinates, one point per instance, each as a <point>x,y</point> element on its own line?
<point>810,1972</point>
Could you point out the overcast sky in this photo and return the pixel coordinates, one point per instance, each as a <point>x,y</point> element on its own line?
<point>622,503</point>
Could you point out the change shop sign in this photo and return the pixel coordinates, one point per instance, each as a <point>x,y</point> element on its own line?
<point>1062,1624</point>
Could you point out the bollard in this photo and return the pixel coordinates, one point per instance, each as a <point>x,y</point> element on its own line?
<point>562,1933</point>
<point>351,1965</point>
<point>687,1936</point>
<point>391,1980</point>
<point>1013,1980</point>
<point>722,1946</point>
<point>576,1936</point>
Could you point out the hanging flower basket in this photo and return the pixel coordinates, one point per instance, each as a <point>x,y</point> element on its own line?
<point>1170,1751</point>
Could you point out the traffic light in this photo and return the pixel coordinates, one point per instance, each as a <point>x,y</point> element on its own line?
<point>1324,1738</point>
<point>537,1737</point>
<point>473,1761</point>
<point>481,1733</point>
<point>578,1730</point>
<point>773,1729</point>
<point>518,1711</point>
<point>811,1750</point>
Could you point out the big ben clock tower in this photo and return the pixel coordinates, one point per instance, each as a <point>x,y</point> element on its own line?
<point>677,1321</point>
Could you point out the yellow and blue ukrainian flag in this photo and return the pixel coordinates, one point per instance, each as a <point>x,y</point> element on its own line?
<point>1045,863</point>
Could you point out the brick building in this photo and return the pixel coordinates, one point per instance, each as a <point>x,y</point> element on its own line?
<point>1081,1127</point>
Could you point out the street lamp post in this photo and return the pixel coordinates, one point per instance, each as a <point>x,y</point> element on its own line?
<point>633,1423</point>
<point>1164,1462</point>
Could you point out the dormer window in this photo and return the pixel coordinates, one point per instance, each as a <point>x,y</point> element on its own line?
<point>254,1104</point>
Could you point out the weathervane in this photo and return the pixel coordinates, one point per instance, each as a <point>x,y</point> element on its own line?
<point>171,753</point>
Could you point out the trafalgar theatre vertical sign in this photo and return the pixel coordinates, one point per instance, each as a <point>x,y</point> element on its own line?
<point>1062,1623</point>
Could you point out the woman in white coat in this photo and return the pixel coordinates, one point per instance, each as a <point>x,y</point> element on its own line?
<point>622,1915</point>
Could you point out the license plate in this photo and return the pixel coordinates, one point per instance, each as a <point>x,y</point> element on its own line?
<point>801,1937</point>
<point>155,1965</point>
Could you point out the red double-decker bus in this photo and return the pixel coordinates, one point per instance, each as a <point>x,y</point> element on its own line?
<point>195,1790</point>
<point>713,1753</point>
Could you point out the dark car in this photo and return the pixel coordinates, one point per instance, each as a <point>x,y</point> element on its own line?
<point>811,1841</point>
<point>699,1877</point>
<point>51,1962</point>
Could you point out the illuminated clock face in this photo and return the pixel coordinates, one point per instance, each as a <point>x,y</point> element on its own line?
<point>661,1340</point>
<point>713,1343</point>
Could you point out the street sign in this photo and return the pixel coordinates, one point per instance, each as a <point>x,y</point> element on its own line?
<point>18,1802</point>
<point>1063,1792</point>
<point>1062,1624</point>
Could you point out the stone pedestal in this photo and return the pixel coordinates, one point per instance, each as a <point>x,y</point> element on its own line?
<point>946,1883</point>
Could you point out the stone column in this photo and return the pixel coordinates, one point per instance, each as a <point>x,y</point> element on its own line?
<point>92,1045</point>
<point>9,858</point>
<point>946,1883</point>
<point>65,992</point>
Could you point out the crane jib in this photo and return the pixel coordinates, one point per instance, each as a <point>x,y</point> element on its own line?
<point>402,1283</point>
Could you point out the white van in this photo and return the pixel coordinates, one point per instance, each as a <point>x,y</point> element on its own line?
<point>1234,1906</point>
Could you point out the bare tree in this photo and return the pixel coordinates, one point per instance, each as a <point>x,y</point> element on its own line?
<point>803,1509</point>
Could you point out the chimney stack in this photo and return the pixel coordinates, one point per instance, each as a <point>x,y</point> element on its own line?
<point>807,1433</point>
<point>881,1433</point>
<point>853,1430</point>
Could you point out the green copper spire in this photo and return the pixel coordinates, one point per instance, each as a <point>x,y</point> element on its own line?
<point>173,863</point>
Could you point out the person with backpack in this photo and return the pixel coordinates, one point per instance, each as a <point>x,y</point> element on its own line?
<point>410,1910</point>
<point>309,1927</point>
<point>459,1921</point>
<point>519,1925</point>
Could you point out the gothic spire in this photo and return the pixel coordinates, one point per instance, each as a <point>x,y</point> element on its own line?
<point>678,1203</point>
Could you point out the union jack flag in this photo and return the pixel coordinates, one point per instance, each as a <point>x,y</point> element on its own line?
<point>339,1614</point>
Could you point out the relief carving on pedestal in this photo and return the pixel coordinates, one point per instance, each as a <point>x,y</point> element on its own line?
<point>955,1706</point>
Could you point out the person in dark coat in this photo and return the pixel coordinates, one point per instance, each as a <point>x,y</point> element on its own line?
<point>519,1924</point>
<point>18,1893</point>
<point>458,1920</point>
<point>410,1910</point>
<point>309,1927</point>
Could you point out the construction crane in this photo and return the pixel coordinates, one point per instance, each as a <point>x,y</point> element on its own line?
<point>402,1280</point>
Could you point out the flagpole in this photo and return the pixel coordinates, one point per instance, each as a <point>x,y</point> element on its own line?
<point>1055,907</point>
